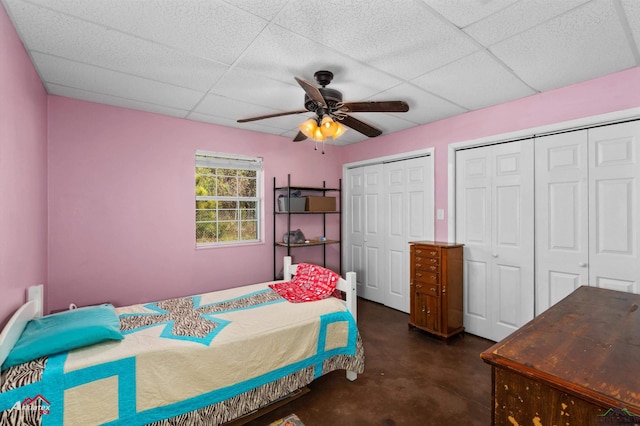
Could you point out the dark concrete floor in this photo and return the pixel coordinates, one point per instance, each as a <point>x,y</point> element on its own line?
<point>410,378</point>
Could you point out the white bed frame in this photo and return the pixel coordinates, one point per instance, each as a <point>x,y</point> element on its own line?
<point>12,331</point>
<point>33,309</point>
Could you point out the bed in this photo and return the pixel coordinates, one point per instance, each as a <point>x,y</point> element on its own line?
<point>203,359</point>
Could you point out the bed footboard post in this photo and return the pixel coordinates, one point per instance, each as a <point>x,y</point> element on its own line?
<point>351,375</point>
<point>352,295</point>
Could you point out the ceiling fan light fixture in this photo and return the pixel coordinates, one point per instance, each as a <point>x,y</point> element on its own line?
<point>328,126</point>
<point>338,131</point>
<point>308,128</point>
<point>318,135</point>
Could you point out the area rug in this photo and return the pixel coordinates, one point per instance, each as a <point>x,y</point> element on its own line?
<point>290,420</point>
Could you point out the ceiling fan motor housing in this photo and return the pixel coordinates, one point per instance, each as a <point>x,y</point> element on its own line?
<point>331,97</point>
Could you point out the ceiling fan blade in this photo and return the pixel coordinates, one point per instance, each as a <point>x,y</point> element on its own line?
<point>299,137</point>
<point>382,106</point>
<point>312,91</point>
<point>361,126</point>
<point>277,114</point>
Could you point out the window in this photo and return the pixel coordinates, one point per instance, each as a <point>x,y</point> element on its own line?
<point>228,193</point>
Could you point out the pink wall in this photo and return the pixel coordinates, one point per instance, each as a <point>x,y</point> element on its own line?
<point>121,210</point>
<point>610,93</point>
<point>23,173</point>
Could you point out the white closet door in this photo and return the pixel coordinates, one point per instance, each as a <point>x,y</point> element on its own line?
<point>409,217</point>
<point>614,207</point>
<point>494,219</point>
<point>473,228</point>
<point>562,219</point>
<point>364,230</point>
<point>513,232</point>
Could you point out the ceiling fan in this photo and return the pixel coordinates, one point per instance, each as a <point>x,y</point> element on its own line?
<point>331,112</point>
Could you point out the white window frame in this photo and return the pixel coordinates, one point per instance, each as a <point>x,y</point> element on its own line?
<point>238,162</point>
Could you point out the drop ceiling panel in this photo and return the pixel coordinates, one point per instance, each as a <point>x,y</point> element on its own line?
<point>100,98</point>
<point>517,18</point>
<point>210,29</point>
<point>632,14</point>
<point>281,55</point>
<point>93,44</point>
<point>256,89</point>
<point>490,83</point>
<point>585,43</point>
<point>93,79</point>
<point>464,12</point>
<point>423,106</point>
<point>380,36</point>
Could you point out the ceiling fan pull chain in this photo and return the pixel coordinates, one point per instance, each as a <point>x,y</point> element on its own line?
<point>316,148</point>
<point>322,147</point>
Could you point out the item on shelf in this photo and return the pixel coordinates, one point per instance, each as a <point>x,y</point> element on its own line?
<point>320,204</point>
<point>294,237</point>
<point>295,202</point>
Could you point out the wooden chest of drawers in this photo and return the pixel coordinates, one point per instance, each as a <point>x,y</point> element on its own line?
<point>575,364</point>
<point>436,287</point>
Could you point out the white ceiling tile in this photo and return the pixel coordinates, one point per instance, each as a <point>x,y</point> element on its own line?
<point>266,9</point>
<point>281,55</point>
<point>378,36</point>
<point>489,84</point>
<point>97,45</point>
<point>100,98</point>
<point>234,109</point>
<point>632,12</point>
<point>254,127</point>
<point>465,12</point>
<point>210,29</point>
<point>586,43</point>
<point>87,77</point>
<point>259,90</point>
<point>424,107</point>
<point>517,18</point>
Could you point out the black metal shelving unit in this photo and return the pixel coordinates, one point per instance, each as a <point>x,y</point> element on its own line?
<point>288,189</point>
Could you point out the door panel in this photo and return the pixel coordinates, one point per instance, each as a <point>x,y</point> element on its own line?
<point>494,219</point>
<point>614,193</point>
<point>389,205</point>
<point>562,227</point>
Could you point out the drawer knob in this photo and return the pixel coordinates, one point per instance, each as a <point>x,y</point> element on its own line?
<point>418,285</point>
<point>433,289</point>
<point>433,253</point>
<point>418,251</point>
<point>433,277</point>
<point>433,268</point>
<point>418,265</point>
<point>433,261</point>
<point>424,309</point>
<point>418,274</point>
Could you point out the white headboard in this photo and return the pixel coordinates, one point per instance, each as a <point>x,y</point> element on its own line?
<point>347,285</point>
<point>12,331</point>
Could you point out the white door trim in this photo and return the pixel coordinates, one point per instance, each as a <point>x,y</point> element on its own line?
<point>601,119</point>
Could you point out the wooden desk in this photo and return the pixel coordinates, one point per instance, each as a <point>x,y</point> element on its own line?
<point>571,364</point>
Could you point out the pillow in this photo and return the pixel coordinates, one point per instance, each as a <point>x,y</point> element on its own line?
<point>64,331</point>
<point>310,283</point>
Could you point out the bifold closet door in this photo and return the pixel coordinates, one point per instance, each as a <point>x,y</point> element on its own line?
<point>562,216</point>
<point>494,219</point>
<point>365,238</point>
<point>408,190</point>
<point>587,211</point>
<point>614,207</point>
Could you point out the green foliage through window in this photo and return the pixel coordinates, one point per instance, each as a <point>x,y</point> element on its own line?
<point>227,199</point>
